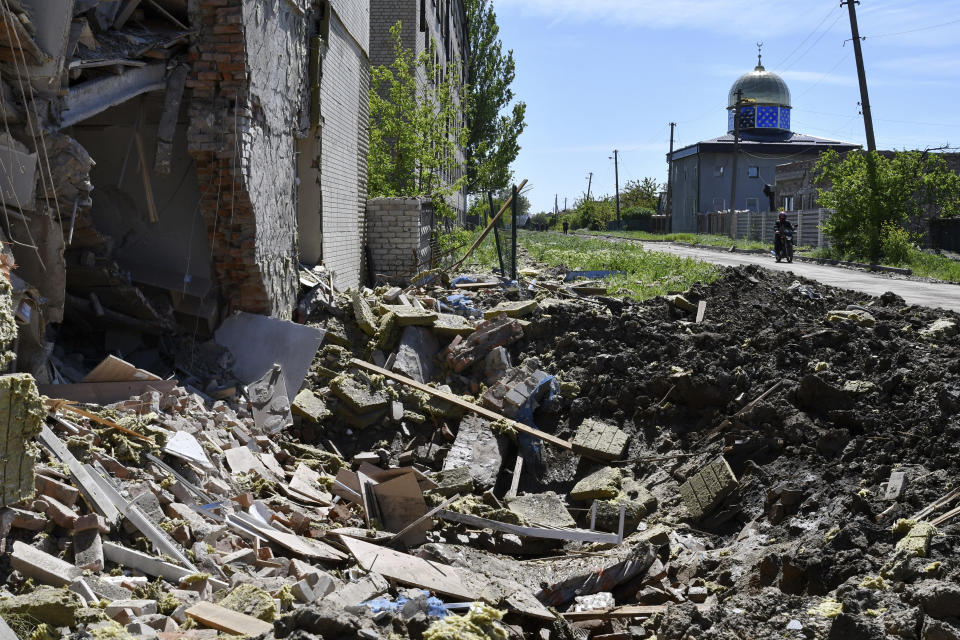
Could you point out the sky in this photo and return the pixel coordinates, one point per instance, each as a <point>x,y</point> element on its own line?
<point>599,75</point>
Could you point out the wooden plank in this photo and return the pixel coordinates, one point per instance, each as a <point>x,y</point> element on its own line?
<point>429,514</point>
<point>64,405</point>
<point>91,491</point>
<point>460,402</point>
<point>223,619</point>
<point>490,226</point>
<point>407,569</point>
<point>515,480</point>
<point>305,547</point>
<point>629,611</point>
<point>469,286</point>
<point>147,182</point>
<point>103,393</point>
<point>125,13</point>
<point>401,503</point>
<point>701,310</point>
<point>114,369</point>
<point>557,533</point>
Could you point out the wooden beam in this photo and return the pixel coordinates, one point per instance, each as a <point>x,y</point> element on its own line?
<point>558,533</point>
<point>629,611</point>
<point>429,514</point>
<point>103,393</point>
<point>490,226</point>
<point>147,183</point>
<point>460,402</point>
<point>125,13</point>
<point>223,619</point>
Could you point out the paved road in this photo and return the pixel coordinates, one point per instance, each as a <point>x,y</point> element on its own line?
<point>943,296</point>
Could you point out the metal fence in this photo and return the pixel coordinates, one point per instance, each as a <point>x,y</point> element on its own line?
<point>750,225</point>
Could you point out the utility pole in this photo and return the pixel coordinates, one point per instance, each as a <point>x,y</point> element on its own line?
<point>670,173</point>
<point>736,149</point>
<point>616,183</point>
<point>861,74</point>
<point>589,184</point>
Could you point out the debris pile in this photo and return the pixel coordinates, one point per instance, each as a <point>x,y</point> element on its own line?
<point>519,461</point>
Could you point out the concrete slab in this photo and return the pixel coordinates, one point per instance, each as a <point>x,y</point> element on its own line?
<point>310,406</point>
<point>602,484</point>
<point>545,508</point>
<point>22,418</point>
<point>513,309</point>
<point>416,353</point>
<point>411,316</point>
<point>257,342</point>
<point>478,448</point>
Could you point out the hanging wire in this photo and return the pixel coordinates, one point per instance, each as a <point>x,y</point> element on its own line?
<point>813,31</point>
<point>42,141</point>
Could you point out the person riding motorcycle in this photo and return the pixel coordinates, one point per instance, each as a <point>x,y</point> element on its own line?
<point>781,225</point>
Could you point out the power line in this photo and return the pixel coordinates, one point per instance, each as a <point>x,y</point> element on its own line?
<point>812,44</point>
<point>797,48</point>
<point>900,33</point>
<point>825,75</point>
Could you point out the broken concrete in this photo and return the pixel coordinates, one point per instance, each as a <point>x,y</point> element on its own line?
<point>478,448</point>
<point>599,440</point>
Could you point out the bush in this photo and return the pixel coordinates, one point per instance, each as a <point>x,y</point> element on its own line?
<point>637,213</point>
<point>897,243</point>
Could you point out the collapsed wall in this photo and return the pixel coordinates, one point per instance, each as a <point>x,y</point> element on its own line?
<point>248,81</point>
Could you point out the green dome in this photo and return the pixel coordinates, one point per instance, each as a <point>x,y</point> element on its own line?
<point>761,87</point>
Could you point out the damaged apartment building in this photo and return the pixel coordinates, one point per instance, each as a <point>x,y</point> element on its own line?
<point>164,163</point>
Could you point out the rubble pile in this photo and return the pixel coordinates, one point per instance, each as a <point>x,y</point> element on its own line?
<point>757,457</point>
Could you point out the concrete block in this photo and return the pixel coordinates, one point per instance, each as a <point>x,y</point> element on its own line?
<point>137,607</point>
<point>599,485</point>
<point>478,448</point>
<point>42,567</point>
<point>706,489</point>
<point>599,440</point>
<point>88,550</point>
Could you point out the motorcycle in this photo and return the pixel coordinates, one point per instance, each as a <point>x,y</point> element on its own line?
<point>783,245</point>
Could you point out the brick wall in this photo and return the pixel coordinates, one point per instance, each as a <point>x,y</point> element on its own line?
<point>344,105</point>
<point>398,233</point>
<point>247,80</point>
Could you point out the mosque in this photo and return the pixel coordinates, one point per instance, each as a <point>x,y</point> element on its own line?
<point>701,172</point>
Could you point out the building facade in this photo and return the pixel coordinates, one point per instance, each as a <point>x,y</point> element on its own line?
<point>437,26</point>
<point>170,162</point>
<point>703,173</point>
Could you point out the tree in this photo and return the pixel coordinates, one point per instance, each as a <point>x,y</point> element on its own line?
<point>640,193</point>
<point>414,135</point>
<point>492,145</point>
<point>480,204</point>
<point>874,196</point>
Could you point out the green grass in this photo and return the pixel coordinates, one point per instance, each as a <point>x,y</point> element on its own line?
<point>922,263</point>
<point>703,240</point>
<point>649,273</point>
